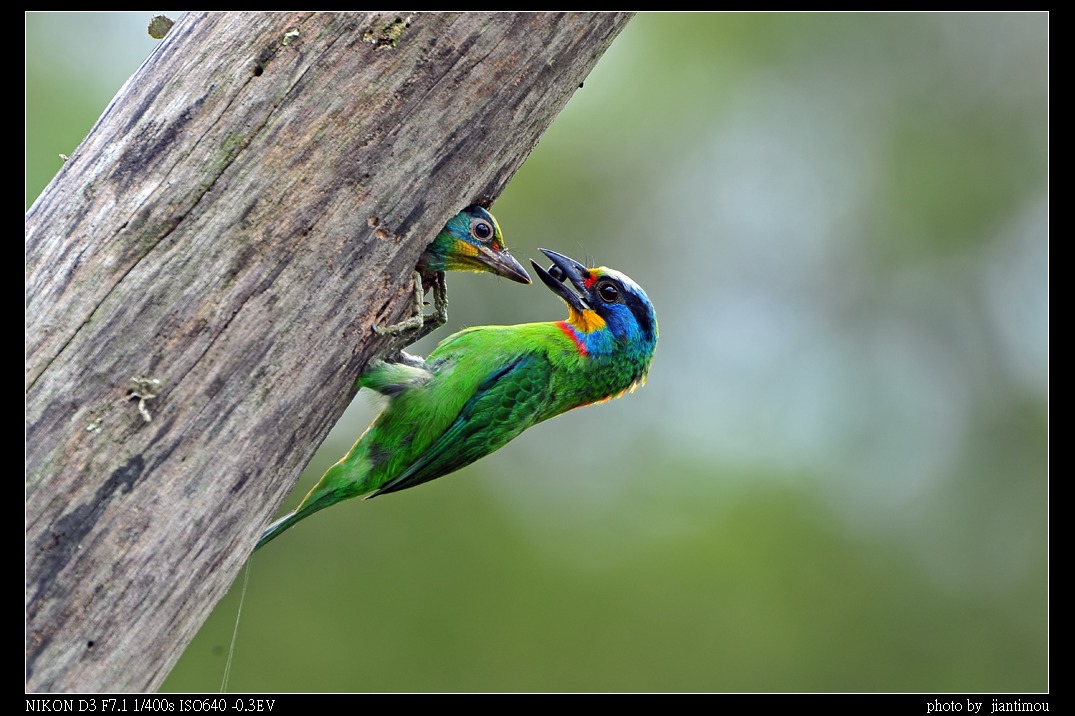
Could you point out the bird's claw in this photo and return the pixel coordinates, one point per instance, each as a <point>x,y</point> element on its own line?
<point>420,324</point>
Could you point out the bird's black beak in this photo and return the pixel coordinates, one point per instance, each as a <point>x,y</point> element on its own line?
<point>503,264</point>
<point>568,269</point>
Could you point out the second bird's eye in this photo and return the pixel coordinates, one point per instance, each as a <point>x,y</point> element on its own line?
<point>556,272</point>
<point>481,230</point>
<point>608,293</point>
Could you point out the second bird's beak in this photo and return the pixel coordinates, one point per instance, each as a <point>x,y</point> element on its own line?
<point>572,271</point>
<point>503,264</point>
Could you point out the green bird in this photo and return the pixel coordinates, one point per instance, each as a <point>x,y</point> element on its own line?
<point>483,386</point>
<point>470,241</point>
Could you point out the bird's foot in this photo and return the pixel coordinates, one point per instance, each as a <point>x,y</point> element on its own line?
<point>420,324</point>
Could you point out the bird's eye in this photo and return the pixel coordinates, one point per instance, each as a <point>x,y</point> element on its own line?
<point>608,293</point>
<point>481,230</point>
<point>557,273</point>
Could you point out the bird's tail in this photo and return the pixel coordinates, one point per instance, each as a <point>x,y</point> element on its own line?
<point>276,528</point>
<point>344,480</point>
<point>310,505</point>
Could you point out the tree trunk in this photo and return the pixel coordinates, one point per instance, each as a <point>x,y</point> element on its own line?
<point>202,276</point>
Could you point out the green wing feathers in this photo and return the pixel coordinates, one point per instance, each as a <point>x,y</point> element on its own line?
<point>507,401</point>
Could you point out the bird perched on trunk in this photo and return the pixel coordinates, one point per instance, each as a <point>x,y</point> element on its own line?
<point>470,241</point>
<point>483,386</point>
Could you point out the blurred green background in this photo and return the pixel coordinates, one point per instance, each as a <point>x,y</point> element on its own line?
<point>836,478</point>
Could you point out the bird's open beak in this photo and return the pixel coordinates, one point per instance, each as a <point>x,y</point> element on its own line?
<point>572,271</point>
<point>503,264</point>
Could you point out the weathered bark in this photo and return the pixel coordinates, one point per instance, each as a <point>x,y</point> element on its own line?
<point>213,255</point>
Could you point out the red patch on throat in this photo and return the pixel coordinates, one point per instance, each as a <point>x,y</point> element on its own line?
<point>569,331</point>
